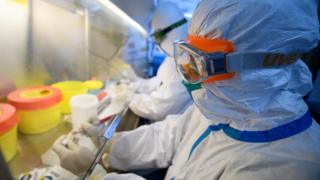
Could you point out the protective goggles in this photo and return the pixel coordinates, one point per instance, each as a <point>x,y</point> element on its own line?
<point>160,35</point>
<point>196,63</point>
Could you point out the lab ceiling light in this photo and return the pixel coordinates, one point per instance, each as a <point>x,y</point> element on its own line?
<point>123,16</point>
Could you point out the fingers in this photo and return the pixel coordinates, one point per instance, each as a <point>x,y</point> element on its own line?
<point>58,146</point>
<point>90,129</point>
<point>65,144</point>
<point>75,131</point>
<point>72,145</point>
<point>104,157</point>
<point>94,121</point>
<point>60,149</point>
<point>73,137</point>
<point>105,161</point>
<point>60,139</point>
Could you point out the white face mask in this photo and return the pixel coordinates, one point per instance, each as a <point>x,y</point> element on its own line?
<point>256,94</point>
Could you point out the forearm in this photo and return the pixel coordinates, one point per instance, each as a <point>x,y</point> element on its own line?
<point>160,103</point>
<point>146,147</point>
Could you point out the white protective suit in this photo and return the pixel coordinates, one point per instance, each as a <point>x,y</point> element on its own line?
<point>253,126</point>
<point>164,94</point>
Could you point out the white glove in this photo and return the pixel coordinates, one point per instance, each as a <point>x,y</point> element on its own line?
<point>130,75</point>
<point>122,92</point>
<point>98,173</point>
<point>132,80</point>
<point>84,140</point>
<point>128,176</point>
<point>135,86</point>
<point>53,173</point>
<point>50,158</point>
<point>73,157</point>
<point>94,132</point>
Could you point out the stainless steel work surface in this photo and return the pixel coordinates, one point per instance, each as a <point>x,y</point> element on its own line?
<point>31,147</point>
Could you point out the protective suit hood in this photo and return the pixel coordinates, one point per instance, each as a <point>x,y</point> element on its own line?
<point>273,26</point>
<point>166,14</point>
<point>265,98</point>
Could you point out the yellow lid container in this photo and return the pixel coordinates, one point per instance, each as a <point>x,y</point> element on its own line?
<point>94,86</point>
<point>8,131</point>
<point>38,107</point>
<point>69,89</point>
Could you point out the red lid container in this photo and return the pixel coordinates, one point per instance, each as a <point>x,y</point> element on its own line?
<point>8,118</point>
<point>35,98</point>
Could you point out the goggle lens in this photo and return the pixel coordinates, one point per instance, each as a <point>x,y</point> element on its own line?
<point>188,65</point>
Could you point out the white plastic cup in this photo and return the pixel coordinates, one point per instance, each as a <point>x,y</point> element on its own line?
<point>84,107</point>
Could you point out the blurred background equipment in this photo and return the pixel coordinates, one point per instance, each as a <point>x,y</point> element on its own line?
<point>44,41</point>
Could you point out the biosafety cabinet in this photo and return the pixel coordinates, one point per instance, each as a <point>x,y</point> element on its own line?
<point>45,41</point>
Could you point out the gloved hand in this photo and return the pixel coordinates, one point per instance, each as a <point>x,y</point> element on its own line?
<point>94,132</point>
<point>53,173</point>
<point>73,157</point>
<point>135,86</point>
<point>98,173</point>
<point>122,92</point>
<point>105,161</point>
<point>130,75</point>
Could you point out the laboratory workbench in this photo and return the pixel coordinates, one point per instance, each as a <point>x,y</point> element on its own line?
<point>31,147</point>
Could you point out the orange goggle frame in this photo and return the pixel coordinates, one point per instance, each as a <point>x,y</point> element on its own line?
<point>202,60</point>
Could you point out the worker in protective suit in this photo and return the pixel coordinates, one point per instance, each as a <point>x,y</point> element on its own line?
<point>249,120</point>
<point>157,97</point>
